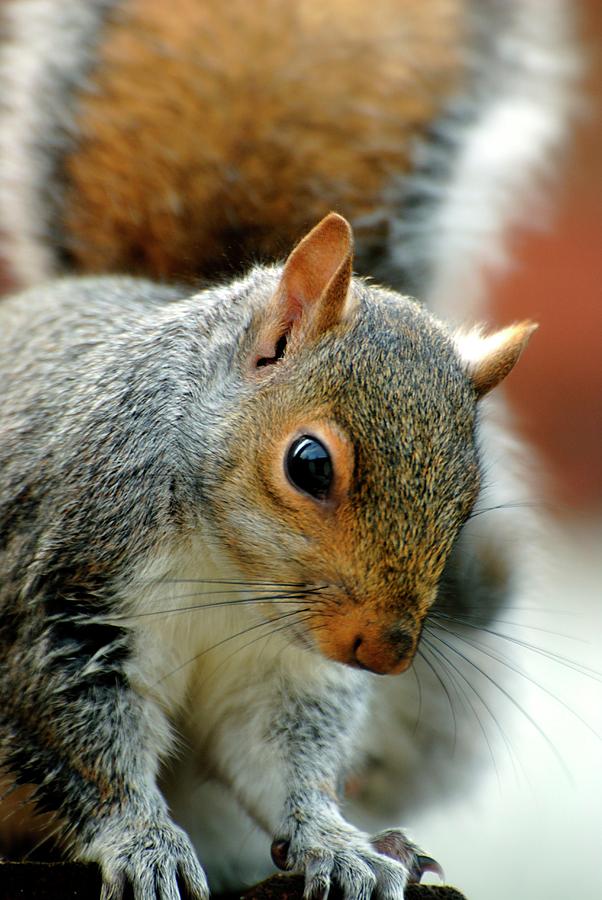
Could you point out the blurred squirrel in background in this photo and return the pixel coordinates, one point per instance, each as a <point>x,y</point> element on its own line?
<point>220,512</point>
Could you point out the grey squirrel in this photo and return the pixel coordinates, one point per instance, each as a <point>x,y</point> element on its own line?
<point>147,138</point>
<point>301,442</point>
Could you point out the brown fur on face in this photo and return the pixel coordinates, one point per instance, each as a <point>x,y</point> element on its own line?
<point>216,132</point>
<point>397,413</point>
<point>369,375</point>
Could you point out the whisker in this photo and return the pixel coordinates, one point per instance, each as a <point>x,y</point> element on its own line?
<point>503,690</point>
<point>250,643</point>
<point>251,584</point>
<point>268,592</point>
<point>474,623</point>
<point>509,663</point>
<point>552,655</point>
<point>229,638</point>
<point>451,608</point>
<point>279,598</point>
<point>474,615</point>
<point>444,687</point>
<point>514,760</point>
<point>420,699</point>
<point>517,504</point>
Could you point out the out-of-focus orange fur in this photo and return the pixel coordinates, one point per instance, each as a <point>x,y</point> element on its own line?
<point>217,132</point>
<point>21,828</point>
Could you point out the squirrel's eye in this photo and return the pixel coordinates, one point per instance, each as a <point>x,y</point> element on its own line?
<point>309,467</point>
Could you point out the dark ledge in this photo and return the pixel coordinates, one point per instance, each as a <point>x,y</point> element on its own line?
<point>68,881</point>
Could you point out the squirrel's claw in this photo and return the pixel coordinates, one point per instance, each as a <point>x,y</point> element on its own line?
<point>317,879</point>
<point>317,870</point>
<point>428,864</point>
<point>279,853</point>
<point>395,844</point>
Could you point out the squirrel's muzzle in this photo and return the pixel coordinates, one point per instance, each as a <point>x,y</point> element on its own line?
<point>385,649</point>
<point>387,652</point>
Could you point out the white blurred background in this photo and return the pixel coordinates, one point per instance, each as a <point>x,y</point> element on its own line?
<point>533,829</point>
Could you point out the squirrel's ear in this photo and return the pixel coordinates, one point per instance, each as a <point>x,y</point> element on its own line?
<point>313,292</point>
<point>488,359</point>
<point>316,277</point>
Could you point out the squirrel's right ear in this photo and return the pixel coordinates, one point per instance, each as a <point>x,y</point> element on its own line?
<point>489,358</point>
<point>313,294</point>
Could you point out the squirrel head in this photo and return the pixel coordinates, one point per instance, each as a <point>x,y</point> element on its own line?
<point>351,460</point>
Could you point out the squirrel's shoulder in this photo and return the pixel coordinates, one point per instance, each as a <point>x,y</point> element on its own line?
<point>59,315</point>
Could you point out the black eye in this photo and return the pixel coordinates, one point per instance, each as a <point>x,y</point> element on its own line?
<point>309,467</point>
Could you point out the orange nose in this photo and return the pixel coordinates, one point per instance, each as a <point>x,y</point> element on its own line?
<point>364,642</point>
<point>385,653</point>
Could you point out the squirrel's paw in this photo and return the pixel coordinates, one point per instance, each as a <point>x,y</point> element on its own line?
<point>157,862</point>
<point>327,849</point>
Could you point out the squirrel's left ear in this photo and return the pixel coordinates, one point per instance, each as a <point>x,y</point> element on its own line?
<point>488,359</point>
<point>313,294</point>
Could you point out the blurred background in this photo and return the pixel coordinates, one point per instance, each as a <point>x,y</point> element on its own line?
<point>534,828</point>
<point>557,278</point>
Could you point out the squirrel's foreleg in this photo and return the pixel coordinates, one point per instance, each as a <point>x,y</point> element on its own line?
<point>310,731</point>
<point>92,746</point>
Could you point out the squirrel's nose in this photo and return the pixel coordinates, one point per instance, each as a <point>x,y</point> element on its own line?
<point>387,653</point>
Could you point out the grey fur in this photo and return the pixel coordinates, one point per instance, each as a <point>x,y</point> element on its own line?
<point>124,411</point>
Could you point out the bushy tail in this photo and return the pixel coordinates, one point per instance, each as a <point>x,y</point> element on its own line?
<point>431,168</point>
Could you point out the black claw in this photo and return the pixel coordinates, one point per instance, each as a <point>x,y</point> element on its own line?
<point>279,851</point>
<point>424,864</point>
